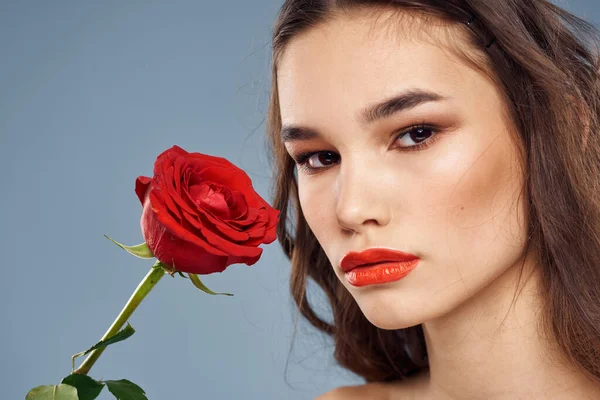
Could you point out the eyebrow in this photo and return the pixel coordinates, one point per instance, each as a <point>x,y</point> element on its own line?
<point>384,109</point>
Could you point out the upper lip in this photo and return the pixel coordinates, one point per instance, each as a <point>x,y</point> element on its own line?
<point>376,255</point>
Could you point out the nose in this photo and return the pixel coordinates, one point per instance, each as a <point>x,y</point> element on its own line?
<point>360,198</point>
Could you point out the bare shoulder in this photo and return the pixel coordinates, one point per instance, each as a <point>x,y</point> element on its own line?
<point>373,391</point>
<point>411,389</point>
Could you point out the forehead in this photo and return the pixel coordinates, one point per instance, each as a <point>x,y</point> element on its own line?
<point>357,59</point>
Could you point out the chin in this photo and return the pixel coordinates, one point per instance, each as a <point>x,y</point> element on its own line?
<point>388,314</point>
<point>387,323</point>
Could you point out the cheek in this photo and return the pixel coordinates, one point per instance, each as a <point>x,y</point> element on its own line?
<point>482,209</point>
<point>316,201</point>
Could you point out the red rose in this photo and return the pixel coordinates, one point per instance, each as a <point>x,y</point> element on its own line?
<point>201,213</point>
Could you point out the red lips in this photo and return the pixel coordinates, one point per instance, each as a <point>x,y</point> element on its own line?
<point>373,256</point>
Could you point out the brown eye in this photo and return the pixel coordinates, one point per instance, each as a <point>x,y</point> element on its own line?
<point>415,137</point>
<point>316,161</point>
<point>322,159</point>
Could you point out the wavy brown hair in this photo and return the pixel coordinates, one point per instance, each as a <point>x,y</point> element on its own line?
<point>544,62</point>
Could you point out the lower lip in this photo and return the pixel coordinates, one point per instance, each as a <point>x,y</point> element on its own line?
<point>380,273</point>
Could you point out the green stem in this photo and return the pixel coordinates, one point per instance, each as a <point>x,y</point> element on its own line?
<point>145,286</point>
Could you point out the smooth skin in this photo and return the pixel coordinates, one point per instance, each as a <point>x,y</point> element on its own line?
<point>459,204</point>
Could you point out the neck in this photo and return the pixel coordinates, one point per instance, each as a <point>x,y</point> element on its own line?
<point>494,347</point>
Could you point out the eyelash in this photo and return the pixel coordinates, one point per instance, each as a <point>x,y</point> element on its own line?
<point>302,158</point>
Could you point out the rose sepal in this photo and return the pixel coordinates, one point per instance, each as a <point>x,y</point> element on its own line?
<point>141,250</point>
<point>198,283</point>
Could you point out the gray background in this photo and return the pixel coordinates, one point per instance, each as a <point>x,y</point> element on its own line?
<point>90,94</point>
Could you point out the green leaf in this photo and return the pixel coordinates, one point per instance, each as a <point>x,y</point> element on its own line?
<point>198,283</point>
<point>87,388</point>
<point>141,250</point>
<point>117,337</point>
<point>126,390</point>
<point>53,392</point>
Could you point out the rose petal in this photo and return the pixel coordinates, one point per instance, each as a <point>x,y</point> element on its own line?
<point>206,266</point>
<point>181,177</point>
<point>142,184</point>
<point>249,220</point>
<point>168,157</point>
<point>227,245</point>
<point>225,226</point>
<point>216,228</point>
<point>167,191</point>
<point>246,260</point>
<point>210,197</point>
<point>200,159</point>
<point>271,233</point>
<point>236,180</point>
<point>180,254</point>
<point>173,226</point>
<point>266,231</point>
<point>181,199</point>
<point>159,194</point>
<point>184,201</point>
<point>177,175</point>
<point>189,224</point>
<point>201,208</point>
<point>258,229</point>
<point>215,224</point>
<point>238,207</point>
<point>233,178</point>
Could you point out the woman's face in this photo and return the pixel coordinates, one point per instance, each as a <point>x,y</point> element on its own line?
<point>454,201</point>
